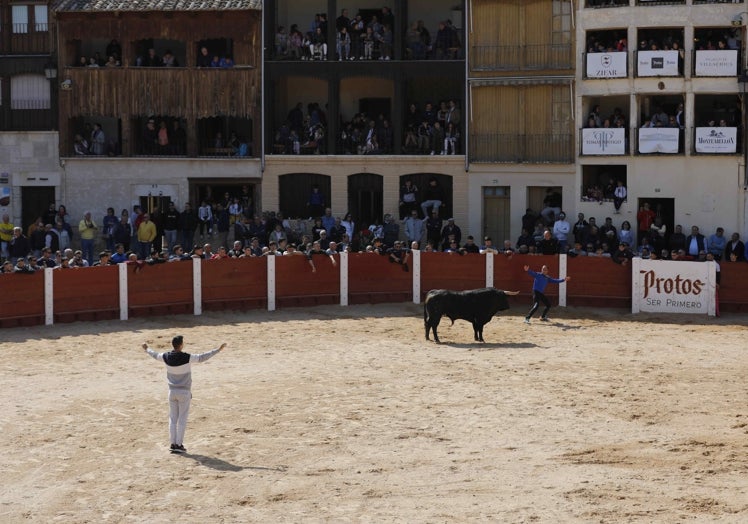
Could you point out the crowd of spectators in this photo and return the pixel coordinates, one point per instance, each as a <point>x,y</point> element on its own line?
<point>432,130</point>
<point>364,38</point>
<point>302,133</point>
<point>428,131</point>
<point>231,228</point>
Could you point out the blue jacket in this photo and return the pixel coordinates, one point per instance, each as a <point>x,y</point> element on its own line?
<point>541,281</point>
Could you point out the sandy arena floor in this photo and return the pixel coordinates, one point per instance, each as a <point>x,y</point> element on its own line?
<point>348,415</point>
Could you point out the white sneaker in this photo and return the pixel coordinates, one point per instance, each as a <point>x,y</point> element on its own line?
<point>527,321</point>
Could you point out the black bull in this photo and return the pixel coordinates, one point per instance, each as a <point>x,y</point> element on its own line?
<point>477,306</point>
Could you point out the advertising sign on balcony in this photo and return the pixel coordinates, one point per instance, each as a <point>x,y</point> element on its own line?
<point>604,141</point>
<point>717,63</point>
<point>657,63</point>
<point>606,65</point>
<point>716,139</point>
<point>658,139</point>
<point>666,286</point>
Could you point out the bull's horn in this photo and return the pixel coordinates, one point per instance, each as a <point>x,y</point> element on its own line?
<point>512,293</point>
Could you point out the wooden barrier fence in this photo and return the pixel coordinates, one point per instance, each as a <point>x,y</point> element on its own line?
<point>112,292</point>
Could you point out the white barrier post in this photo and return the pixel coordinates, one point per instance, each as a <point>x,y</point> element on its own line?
<point>489,269</point>
<point>635,285</point>
<point>123,304</point>
<point>271,283</point>
<point>416,267</point>
<point>197,285</point>
<point>344,278</point>
<point>562,268</point>
<point>49,296</point>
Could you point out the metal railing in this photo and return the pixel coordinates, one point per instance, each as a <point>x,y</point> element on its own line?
<point>522,149</point>
<point>607,3</point>
<point>522,57</point>
<point>660,2</point>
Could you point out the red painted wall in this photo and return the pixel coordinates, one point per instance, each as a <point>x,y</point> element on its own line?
<point>93,293</point>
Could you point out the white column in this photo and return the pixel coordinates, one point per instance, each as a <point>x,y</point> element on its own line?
<point>197,285</point>
<point>344,278</point>
<point>562,268</point>
<point>49,296</point>
<point>489,269</point>
<point>635,284</point>
<point>123,304</point>
<point>711,288</point>
<point>416,267</point>
<point>271,283</point>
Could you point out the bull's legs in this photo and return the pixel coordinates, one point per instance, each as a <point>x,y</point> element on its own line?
<point>478,330</point>
<point>434,324</point>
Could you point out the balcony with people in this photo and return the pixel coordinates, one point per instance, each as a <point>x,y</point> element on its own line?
<point>716,52</point>
<point>180,67</point>
<point>663,123</point>
<point>307,32</point>
<point>606,130</point>
<point>606,55</point>
<point>660,52</point>
<point>718,128</point>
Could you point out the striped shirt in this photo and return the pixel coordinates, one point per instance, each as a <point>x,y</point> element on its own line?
<point>178,366</point>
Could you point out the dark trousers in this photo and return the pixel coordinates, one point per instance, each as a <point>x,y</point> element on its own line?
<point>537,298</point>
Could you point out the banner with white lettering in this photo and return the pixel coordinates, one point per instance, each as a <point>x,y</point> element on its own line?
<point>667,286</point>
<point>604,141</point>
<point>658,139</point>
<point>657,63</point>
<point>607,65</point>
<point>716,139</point>
<point>717,63</point>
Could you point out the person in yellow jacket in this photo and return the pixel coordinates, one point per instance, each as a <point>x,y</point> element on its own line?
<point>87,229</point>
<point>146,235</point>
<point>6,235</point>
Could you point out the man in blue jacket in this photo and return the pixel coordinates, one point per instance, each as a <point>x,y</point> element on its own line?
<point>538,289</point>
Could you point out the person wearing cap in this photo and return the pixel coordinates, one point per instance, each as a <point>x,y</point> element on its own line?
<point>22,267</point>
<point>488,247</point>
<point>198,251</point>
<point>103,259</point>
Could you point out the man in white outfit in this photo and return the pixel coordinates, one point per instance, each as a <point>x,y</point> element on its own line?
<point>179,374</point>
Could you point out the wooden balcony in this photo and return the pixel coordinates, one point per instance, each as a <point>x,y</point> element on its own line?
<point>184,92</point>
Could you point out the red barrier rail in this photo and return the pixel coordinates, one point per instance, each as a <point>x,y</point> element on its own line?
<point>93,293</point>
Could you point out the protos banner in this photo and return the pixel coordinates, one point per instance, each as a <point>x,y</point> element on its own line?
<point>666,286</point>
